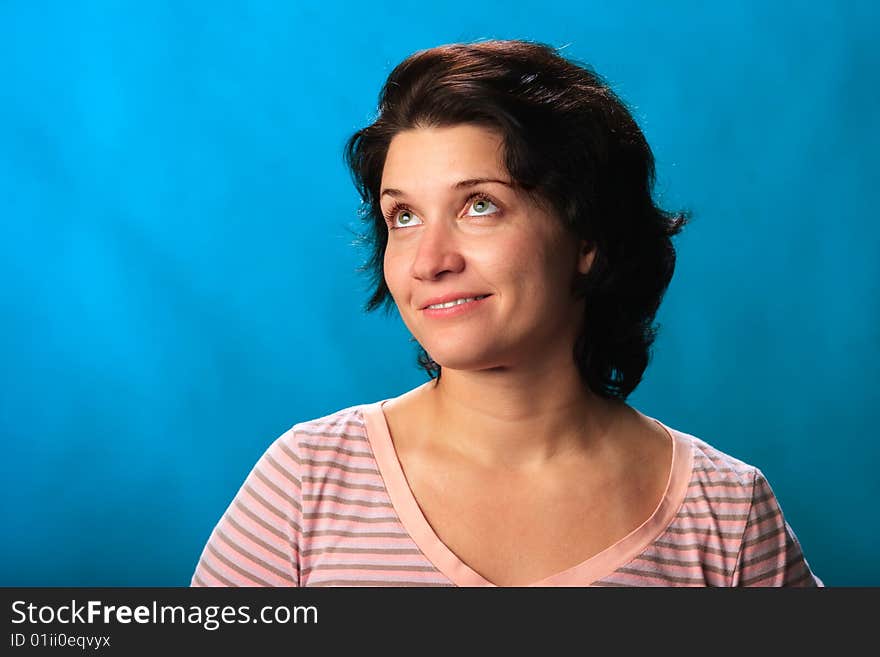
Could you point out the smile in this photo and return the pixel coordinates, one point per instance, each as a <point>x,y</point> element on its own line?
<point>457,302</point>
<point>457,308</point>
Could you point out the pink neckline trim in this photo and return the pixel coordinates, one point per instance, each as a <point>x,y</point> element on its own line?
<point>582,574</point>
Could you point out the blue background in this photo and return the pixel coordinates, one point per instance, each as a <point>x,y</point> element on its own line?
<point>178,275</point>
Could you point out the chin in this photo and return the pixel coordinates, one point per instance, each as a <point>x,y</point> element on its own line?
<point>465,358</point>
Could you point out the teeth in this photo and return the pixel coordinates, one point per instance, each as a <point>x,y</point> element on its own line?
<point>457,302</point>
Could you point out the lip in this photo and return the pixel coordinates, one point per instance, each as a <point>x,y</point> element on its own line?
<point>455,311</point>
<point>446,298</point>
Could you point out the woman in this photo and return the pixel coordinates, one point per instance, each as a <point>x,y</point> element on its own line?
<point>508,197</point>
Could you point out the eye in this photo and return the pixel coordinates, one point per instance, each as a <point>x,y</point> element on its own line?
<point>406,217</point>
<point>482,205</point>
<point>400,216</point>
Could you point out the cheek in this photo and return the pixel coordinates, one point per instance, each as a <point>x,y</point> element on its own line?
<point>521,263</point>
<point>541,270</point>
<point>395,274</point>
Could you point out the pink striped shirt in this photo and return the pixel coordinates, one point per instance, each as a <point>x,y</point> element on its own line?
<point>328,505</point>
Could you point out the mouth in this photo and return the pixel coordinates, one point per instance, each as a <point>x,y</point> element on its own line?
<point>456,308</point>
<point>456,302</point>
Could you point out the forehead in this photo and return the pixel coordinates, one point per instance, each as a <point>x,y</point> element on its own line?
<point>441,156</point>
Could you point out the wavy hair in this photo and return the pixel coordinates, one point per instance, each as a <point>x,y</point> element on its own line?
<point>571,144</point>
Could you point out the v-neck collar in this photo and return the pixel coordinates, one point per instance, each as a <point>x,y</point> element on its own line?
<point>582,574</point>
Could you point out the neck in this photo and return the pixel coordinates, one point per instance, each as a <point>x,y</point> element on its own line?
<point>518,419</point>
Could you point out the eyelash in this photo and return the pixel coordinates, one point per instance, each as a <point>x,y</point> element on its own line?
<point>400,207</point>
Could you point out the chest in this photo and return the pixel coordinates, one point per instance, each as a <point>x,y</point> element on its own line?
<point>515,530</point>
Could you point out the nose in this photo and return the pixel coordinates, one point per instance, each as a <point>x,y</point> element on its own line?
<point>437,251</point>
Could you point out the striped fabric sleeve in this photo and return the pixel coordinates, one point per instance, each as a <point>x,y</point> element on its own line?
<point>256,542</point>
<point>770,554</point>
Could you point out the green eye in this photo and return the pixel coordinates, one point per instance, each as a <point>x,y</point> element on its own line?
<point>482,206</point>
<point>405,214</point>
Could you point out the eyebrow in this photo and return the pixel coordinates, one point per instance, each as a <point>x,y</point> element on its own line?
<point>461,184</point>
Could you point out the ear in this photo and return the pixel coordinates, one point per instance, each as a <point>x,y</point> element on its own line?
<point>586,255</point>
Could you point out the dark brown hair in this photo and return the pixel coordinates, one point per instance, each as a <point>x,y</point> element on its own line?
<point>570,143</point>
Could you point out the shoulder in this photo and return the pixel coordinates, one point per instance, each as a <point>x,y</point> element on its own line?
<point>727,528</point>
<point>724,494</point>
<point>715,503</point>
<point>716,473</point>
<point>333,444</point>
<point>710,495</point>
<point>331,437</point>
<point>338,429</point>
<point>733,504</point>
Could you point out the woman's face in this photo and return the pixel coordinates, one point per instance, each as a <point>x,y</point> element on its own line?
<point>451,237</point>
